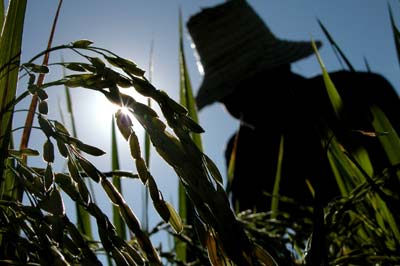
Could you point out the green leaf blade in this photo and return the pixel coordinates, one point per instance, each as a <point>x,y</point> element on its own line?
<point>117,219</point>
<point>333,94</point>
<point>10,49</point>
<point>1,14</point>
<point>275,191</point>
<point>389,141</point>
<point>396,33</point>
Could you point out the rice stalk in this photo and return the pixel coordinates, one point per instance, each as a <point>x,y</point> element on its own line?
<point>29,119</point>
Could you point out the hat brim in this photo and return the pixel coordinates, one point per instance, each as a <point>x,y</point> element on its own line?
<point>223,80</point>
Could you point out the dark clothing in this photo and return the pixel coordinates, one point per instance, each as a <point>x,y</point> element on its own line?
<point>300,110</point>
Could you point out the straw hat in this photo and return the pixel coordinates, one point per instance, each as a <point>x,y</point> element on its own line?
<point>234,44</point>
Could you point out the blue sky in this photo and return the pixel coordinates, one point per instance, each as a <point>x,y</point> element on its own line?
<point>127,27</point>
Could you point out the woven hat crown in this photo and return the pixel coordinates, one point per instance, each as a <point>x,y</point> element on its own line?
<point>234,44</point>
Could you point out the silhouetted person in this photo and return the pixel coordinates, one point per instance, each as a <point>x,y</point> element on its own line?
<point>248,70</point>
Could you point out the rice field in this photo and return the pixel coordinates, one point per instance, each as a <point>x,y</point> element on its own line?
<point>361,227</point>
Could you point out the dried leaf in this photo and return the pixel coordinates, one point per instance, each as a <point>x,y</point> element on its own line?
<point>372,134</point>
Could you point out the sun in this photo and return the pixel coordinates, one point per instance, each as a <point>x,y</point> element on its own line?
<point>111,108</point>
<point>104,110</point>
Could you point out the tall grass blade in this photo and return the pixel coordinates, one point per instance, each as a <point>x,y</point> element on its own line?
<point>186,99</point>
<point>335,46</point>
<point>389,141</point>
<point>396,33</point>
<point>82,216</point>
<point>391,144</point>
<point>367,65</point>
<point>181,247</point>
<point>147,146</point>
<point>60,111</point>
<point>232,163</point>
<point>336,101</point>
<point>351,173</point>
<point>338,170</point>
<point>379,202</point>
<point>69,105</point>
<point>117,219</point>
<point>340,162</point>
<point>275,191</point>
<point>347,174</point>
<point>333,94</point>
<point>10,49</point>
<point>186,92</point>
<point>383,210</point>
<point>1,14</point>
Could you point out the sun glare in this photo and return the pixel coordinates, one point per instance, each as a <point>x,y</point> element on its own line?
<point>107,109</point>
<point>124,110</point>
<point>104,110</point>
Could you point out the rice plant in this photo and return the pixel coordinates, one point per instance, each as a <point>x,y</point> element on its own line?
<point>361,227</point>
<point>198,174</point>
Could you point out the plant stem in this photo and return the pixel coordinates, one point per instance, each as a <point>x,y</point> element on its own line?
<point>29,119</point>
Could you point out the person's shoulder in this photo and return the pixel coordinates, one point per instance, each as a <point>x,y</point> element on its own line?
<point>355,80</point>
<point>343,75</point>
